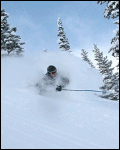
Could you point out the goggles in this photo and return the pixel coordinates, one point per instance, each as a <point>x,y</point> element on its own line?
<point>53,72</point>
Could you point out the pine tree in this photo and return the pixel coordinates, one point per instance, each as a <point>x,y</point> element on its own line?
<point>115,48</point>
<point>111,84</point>
<point>4,29</point>
<point>102,62</point>
<point>112,11</point>
<point>9,41</point>
<point>85,58</point>
<point>110,80</point>
<point>115,85</point>
<point>13,43</point>
<point>62,41</point>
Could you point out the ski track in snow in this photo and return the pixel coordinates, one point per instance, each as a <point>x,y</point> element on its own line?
<point>65,120</point>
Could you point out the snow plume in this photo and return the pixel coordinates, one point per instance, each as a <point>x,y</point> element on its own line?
<point>60,120</point>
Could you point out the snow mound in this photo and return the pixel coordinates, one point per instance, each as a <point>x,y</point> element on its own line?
<point>57,120</point>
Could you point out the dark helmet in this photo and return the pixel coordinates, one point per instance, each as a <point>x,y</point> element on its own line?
<point>51,68</point>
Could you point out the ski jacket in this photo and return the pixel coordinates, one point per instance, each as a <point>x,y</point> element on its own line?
<point>48,82</point>
<point>54,81</point>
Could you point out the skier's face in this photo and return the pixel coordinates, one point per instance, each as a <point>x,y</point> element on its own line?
<point>53,74</point>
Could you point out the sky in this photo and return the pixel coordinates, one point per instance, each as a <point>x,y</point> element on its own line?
<point>83,23</point>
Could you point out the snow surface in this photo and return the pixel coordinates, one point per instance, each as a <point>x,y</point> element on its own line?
<point>57,120</point>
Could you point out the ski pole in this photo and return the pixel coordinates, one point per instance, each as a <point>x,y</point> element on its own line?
<point>82,90</point>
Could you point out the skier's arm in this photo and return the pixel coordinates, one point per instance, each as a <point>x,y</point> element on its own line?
<point>65,81</point>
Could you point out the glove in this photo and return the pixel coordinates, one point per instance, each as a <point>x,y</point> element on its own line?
<point>59,88</point>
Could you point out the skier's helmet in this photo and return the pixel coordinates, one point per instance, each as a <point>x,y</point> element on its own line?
<point>51,69</point>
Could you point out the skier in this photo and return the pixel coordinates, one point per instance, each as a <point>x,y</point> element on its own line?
<point>52,78</point>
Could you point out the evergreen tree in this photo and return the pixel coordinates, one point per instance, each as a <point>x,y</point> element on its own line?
<point>4,29</point>
<point>13,43</point>
<point>102,62</point>
<point>111,84</point>
<point>112,11</point>
<point>85,58</point>
<point>115,48</point>
<point>9,41</point>
<point>62,41</point>
<point>110,80</point>
<point>115,86</point>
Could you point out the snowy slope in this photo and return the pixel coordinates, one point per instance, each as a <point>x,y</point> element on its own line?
<point>59,119</point>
